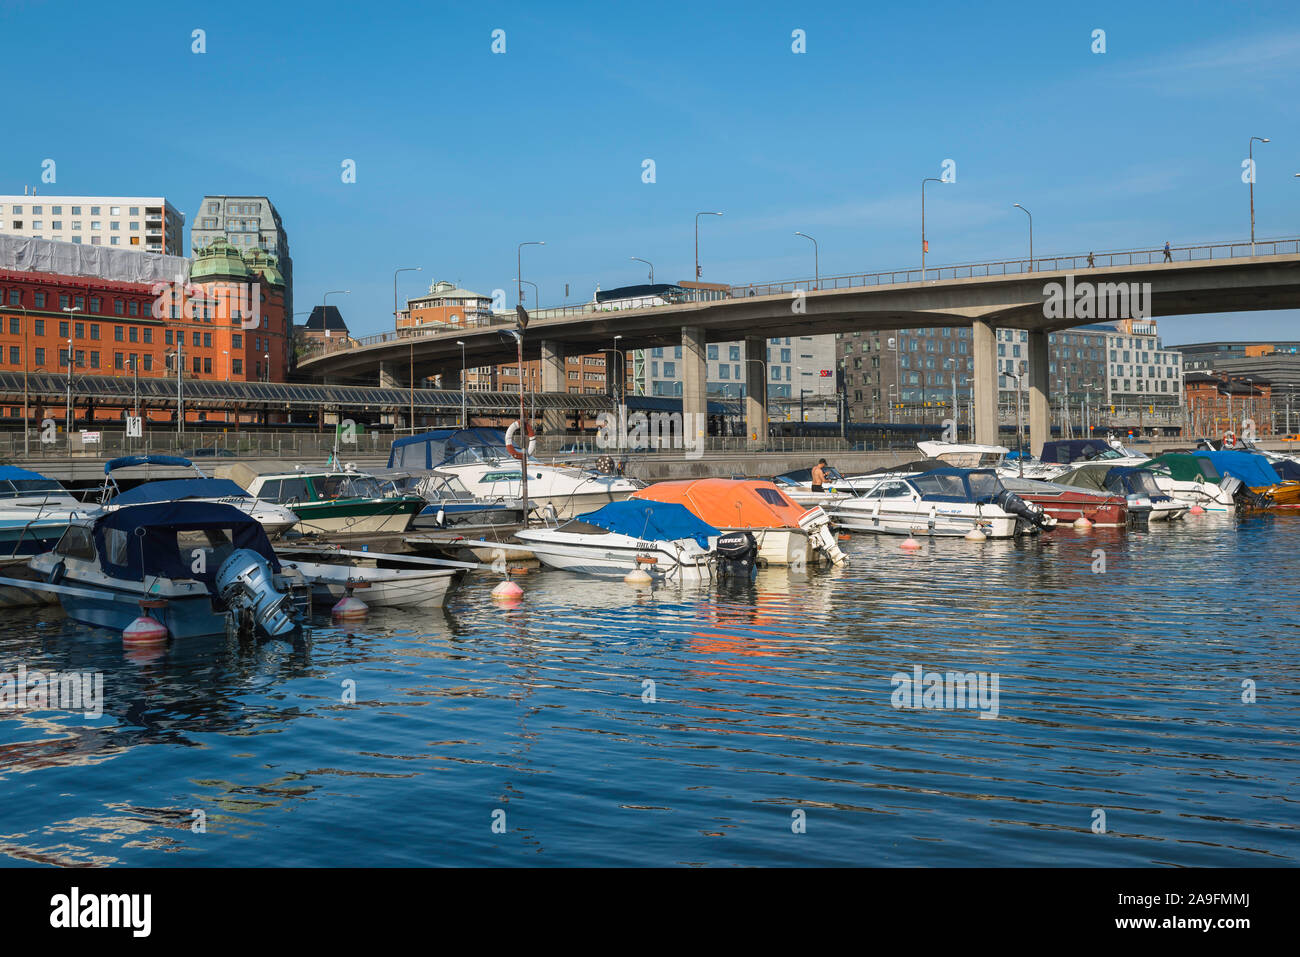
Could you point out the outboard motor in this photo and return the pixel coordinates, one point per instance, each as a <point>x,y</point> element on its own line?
<point>817,524</point>
<point>1139,511</point>
<point>1009,501</point>
<point>246,586</point>
<point>1242,496</point>
<point>737,555</point>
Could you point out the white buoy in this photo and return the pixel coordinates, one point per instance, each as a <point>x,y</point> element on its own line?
<point>638,576</point>
<point>976,534</point>
<point>1082,522</point>
<point>145,630</point>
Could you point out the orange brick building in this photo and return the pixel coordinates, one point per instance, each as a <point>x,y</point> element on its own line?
<point>227,323</point>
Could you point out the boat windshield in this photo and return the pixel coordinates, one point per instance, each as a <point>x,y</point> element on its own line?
<point>939,484</point>
<point>1144,483</point>
<point>347,486</point>
<point>984,486</point>
<point>440,486</point>
<point>476,453</point>
<point>13,488</point>
<point>1208,470</point>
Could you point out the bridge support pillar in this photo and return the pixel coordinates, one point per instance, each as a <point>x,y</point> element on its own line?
<point>695,402</point>
<point>388,376</point>
<point>554,421</point>
<point>985,346</point>
<point>756,390</point>
<point>1040,409</point>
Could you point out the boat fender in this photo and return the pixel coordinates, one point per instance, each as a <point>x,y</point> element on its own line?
<point>56,573</point>
<point>510,434</point>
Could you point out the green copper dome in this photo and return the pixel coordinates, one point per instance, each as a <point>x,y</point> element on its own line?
<point>219,260</point>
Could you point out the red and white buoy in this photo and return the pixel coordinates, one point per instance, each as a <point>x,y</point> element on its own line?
<point>350,607</point>
<point>507,592</point>
<point>146,629</point>
<point>1082,523</point>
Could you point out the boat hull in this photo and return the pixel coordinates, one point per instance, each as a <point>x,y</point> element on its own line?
<point>387,587</point>
<point>615,556</point>
<point>886,521</point>
<point>375,516</point>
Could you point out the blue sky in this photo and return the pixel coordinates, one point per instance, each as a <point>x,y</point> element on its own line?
<point>461,153</point>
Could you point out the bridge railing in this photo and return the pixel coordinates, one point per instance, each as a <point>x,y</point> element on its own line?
<point>978,270</point>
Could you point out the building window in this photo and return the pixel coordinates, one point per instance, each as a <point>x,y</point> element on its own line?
<point>196,364</point>
<point>94,360</point>
<point>167,336</point>
<point>196,341</point>
<point>236,341</point>
<point>133,308</point>
<point>237,367</point>
<point>148,335</point>
<point>63,302</point>
<point>133,335</point>
<point>118,309</point>
<point>40,300</point>
<point>118,335</point>
<point>148,363</point>
<point>63,331</point>
<point>94,330</point>
<point>80,328</point>
<point>119,360</point>
<point>15,326</point>
<point>39,357</point>
<point>38,327</point>
<point>207,343</point>
<point>14,358</point>
<point>63,357</point>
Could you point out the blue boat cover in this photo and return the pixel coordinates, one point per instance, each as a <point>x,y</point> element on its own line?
<point>1253,470</point>
<point>14,472</point>
<point>1288,470</point>
<point>430,449</point>
<point>150,546</point>
<point>651,521</point>
<point>172,490</point>
<point>126,461</point>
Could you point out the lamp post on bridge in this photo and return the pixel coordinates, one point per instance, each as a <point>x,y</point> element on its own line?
<point>519,271</point>
<point>1250,151</point>
<point>1031,234</point>
<point>928,179</point>
<point>697,241</point>
<point>817,271</point>
<point>638,259</point>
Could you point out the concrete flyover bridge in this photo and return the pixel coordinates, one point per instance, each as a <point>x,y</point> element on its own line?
<point>1042,296</point>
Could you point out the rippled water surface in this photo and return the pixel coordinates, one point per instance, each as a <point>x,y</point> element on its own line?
<point>483,735</point>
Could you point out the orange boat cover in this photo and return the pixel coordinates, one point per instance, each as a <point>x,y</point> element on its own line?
<point>729,503</point>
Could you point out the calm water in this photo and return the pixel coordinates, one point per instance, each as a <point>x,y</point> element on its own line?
<point>1119,691</point>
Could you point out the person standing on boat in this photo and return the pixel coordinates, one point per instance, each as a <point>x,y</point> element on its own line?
<point>819,475</point>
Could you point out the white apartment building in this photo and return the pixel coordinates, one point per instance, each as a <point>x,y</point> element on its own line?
<point>141,223</point>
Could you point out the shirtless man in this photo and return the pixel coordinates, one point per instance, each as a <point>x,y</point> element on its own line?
<point>819,475</point>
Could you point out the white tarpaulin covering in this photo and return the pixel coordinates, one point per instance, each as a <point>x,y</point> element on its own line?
<point>78,259</point>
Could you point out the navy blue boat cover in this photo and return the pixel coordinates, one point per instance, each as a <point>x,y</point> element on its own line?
<point>1255,471</point>
<point>651,521</point>
<point>173,490</point>
<point>126,461</point>
<point>152,548</point>
<point>429,449</point>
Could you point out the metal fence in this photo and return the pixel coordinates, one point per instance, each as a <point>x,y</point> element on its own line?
<point>205,448</point>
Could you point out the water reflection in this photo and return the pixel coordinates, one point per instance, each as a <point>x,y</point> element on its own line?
<point>681,724</point>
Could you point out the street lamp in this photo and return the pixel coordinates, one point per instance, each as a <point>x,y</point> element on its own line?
<point>638,259</point>
<point>537,292</point>
<point>395,272</point>
<point>697,241</point>
<point>69,310</point>
<point>464,424</point>
<point>1250,149</point>
<point>266,367</point>
<point>1031,233</point>
<point>928,179</point>
<point>519,288</point>
<point>817,271</point>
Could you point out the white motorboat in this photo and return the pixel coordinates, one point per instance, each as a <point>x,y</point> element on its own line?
<point>997,457</point>
<point>386,581</point>
<point>665,540</point>
<point>947,501</point>
<point>481,461</point>
<point>273,518</point>
<point>34,511</point>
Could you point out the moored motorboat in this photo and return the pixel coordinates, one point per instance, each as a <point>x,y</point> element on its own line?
<point>947,501</point>
<point>665,540</point>
<point>332,500</point>
<point>1067,504</point>
<point>390,581</point>
<point>274,519</point>
<point>34,511</point>
<point>1137,485</point>
<point>209,566</point>
<point>785,533</point>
